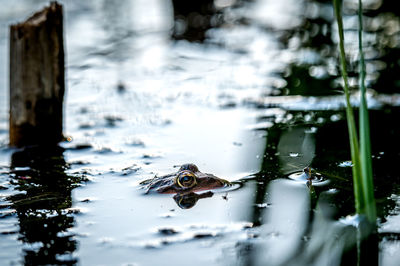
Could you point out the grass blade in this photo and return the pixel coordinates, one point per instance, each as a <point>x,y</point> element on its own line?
<point>365,142</point>
<point>354,147</point>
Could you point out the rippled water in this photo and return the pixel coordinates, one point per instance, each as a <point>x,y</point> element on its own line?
<point>138,104</point>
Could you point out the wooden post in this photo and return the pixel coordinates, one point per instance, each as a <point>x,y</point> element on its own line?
<point>37,81</point>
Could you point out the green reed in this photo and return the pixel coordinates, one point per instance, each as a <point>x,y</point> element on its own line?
<point>360,149</point>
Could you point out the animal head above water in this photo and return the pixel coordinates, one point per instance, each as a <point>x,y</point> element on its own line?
<point>187,179</point>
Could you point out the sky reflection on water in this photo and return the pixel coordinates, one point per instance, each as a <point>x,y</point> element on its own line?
<point>139,103</point>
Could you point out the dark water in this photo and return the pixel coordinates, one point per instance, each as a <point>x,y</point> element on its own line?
<point>229,87</point>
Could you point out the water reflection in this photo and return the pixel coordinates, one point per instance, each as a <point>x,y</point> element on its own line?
<point>193,19</point>
<point>270,170</point>
<point>383,47</point>
<point>43,205</point>
<point>321,137</point>
<point>117,24</point>
<point>188,200</point>
<point>282,142</point>
<point>296,148</point>
<point>326,147</point>
<point>314,68</point>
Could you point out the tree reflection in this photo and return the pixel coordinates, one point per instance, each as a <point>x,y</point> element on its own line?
<point>269,171</point>
<point>314,71</point>
<point>329,203</point>
<point>193,19</point>
<point>43,206</point>
<point>117,24</point>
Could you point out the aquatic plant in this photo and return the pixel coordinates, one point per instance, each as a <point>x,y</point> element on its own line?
<point>360,149</point>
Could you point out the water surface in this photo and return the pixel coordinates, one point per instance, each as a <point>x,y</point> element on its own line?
<point>139,103</point>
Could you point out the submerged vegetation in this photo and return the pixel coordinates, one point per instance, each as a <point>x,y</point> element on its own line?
<point>360,149</point>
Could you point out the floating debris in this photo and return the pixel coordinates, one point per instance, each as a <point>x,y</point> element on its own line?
<point>112,120</point>
<point>130,169</point>
<point>167,231</point>
<point>121,87</point>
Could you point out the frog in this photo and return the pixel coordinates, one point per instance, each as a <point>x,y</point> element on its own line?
<point>187,179</point>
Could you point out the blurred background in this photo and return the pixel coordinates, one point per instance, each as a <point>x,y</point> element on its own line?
<point>249,90</point>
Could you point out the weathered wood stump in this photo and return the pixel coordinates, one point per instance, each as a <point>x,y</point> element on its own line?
<point>37,80</point>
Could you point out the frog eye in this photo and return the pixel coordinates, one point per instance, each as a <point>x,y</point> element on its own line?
<point>186,179</point>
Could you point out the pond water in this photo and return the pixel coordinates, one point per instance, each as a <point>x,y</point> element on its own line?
<point>251,96</point>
